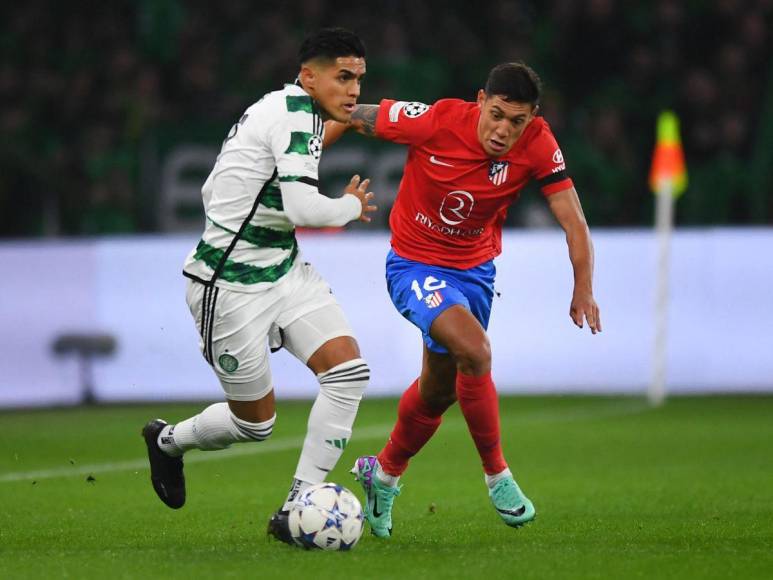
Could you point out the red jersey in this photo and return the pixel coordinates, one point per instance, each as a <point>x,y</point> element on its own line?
<point>453,197</point>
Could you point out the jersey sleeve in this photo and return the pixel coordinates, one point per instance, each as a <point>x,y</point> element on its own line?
<point>296,143</point>
<point>409,123</point>
<point>547,161</point>
<point>295,139</point>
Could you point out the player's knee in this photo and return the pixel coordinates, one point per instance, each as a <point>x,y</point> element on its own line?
<point>473,357</point>
<point>346,382</point>
<point>249,431</point>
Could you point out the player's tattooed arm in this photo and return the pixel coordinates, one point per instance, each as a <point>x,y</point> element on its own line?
<point>364,119</point>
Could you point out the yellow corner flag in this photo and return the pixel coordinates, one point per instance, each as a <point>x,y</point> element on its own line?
<point>668,172</point>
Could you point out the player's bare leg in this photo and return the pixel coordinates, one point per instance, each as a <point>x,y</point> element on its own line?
<point>466,340</point>
<point>460,332</point>
<point>343,376</point>
<point>254,411</point>
<point>437,382</point>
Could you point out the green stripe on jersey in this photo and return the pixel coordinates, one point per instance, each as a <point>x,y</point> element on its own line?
<point>272,197</point>
<point>263,237</point>
<point>299,103</point>
<point>299,142</point>
<point>243,273</point>
<point>269,237</point>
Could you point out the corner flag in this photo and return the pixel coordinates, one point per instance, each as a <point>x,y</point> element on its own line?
<point>668,171</point>
<point>668,180</point>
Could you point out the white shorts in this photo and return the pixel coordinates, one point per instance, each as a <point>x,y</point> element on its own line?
<point>298,313</point>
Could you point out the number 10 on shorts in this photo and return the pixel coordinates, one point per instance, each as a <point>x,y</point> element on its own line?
<point>430,285</point>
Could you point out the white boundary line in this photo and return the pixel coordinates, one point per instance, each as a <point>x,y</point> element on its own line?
<point>571,414</point>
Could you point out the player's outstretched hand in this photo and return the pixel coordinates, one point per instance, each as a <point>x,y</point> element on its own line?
<point>584,308</point>
<point>358,189</point>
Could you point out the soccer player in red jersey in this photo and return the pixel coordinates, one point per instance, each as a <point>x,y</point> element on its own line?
<point>467,162</point>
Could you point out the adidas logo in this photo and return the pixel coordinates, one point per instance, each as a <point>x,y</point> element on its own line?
<point>338,443</point>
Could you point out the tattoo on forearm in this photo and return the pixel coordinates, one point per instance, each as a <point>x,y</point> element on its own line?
<point>364,119</point>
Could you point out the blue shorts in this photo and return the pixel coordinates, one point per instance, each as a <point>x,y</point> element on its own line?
<point>421,292</point>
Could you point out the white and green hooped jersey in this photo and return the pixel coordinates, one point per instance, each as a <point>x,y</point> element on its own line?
<point>263,184</point>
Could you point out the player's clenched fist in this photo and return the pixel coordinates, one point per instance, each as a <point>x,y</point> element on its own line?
<point>358,189</point>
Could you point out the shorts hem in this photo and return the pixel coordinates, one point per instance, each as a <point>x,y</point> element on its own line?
<point>318,343</point>
<point>445,305</point>
<point>245,397</point>
<point>430,348</point>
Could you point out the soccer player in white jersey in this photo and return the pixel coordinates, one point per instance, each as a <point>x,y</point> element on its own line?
<point>248,288</point>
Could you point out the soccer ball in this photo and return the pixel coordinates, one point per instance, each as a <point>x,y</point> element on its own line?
<point>327,516</point>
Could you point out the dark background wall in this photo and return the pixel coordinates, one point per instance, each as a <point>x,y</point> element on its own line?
<point>95,95</point>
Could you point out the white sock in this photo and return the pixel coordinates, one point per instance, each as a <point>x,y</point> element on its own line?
<point>331,419</point>
<point>296,489</point>
<point>214,428</point>
<point>385,478</point>
<point>492,480</point>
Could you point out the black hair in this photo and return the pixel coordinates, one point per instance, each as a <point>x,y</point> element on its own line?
<point>514,81</point>
<point>330,43</point>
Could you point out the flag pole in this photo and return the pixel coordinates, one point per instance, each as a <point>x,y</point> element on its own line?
<point>668,179</point>
<point>664,224</point>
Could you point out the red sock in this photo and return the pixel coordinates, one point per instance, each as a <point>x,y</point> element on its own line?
<point>480,407</point>
<point>416,424</point>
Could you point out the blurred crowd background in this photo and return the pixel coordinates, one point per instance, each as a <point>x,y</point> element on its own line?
<point>97,95</point>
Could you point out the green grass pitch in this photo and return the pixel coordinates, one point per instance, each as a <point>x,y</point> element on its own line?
<point>621,490</point>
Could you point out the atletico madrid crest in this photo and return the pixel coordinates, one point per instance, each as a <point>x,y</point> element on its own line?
<point>497,172</point>
<point>433,300</point>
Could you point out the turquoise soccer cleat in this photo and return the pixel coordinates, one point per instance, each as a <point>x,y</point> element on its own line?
<point>511,504</point>
<point>378,497</point>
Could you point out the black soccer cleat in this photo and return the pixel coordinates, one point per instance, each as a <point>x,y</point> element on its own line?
<point>279,527</point>
<point>166,473</point>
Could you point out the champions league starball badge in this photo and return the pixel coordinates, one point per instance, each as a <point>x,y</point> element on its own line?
<point>415,109</point>
<point>315,146</point>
